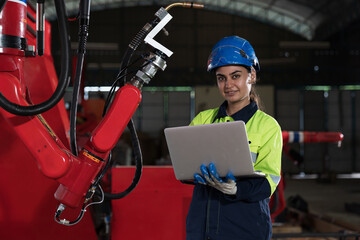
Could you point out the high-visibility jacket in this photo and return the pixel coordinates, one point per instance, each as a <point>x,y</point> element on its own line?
<point>215,215</point>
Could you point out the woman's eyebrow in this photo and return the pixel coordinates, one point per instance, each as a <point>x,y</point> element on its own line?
<point>237,71</point>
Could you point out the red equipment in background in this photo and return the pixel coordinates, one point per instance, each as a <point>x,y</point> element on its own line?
<point>277,201</point>
<point>311,137</point>
<point>156,209</point>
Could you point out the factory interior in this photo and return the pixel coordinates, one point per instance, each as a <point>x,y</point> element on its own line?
<point>309,81</point>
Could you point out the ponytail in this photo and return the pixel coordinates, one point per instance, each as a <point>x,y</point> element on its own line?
<point>255,97</point>
<point>253,93</point>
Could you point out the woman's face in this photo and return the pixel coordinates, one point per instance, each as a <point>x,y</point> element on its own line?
<point>234,83</point>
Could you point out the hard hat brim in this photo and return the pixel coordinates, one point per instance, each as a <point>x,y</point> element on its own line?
<point>229,55</point>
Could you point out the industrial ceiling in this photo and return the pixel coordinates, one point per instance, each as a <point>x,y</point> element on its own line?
<point>313,20</point>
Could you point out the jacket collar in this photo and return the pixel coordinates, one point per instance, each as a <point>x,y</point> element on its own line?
<point>244,114</point>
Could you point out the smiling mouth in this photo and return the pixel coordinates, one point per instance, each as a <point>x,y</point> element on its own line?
<point>230,92</point>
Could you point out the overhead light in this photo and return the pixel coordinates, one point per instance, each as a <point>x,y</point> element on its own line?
<point>304,44</point>
<point>317,88</point>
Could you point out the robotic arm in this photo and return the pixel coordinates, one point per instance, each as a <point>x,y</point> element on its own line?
<point>77,174</point>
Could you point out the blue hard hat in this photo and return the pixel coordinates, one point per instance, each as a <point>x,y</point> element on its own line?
<point>232,50</point>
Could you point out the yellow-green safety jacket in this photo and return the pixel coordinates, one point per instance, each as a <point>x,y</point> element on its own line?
<point>215,215</point>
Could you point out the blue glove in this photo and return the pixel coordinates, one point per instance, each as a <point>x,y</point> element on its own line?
<point>211,177</point>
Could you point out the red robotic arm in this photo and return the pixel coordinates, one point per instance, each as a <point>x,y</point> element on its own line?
<point>75,174</point>
<point>75,183</point>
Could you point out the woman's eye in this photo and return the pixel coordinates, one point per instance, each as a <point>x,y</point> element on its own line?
<point>235,76</point>
<point>220,78</point>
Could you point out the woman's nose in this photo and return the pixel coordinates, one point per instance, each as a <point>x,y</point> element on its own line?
<point>227,83</point>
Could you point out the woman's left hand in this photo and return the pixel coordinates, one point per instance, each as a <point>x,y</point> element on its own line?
<point>211,177</point>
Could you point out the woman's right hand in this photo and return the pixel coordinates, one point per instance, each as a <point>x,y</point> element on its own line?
<point>209,176</point>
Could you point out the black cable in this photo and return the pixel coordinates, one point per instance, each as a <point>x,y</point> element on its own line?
<point>88,196</point>
<point>102,173</point>
<point>69,223</point>
<point>2,4</point>
<point>83,34</point>
<point>135,144</point>
<point>134,44</point>
<point>64,74</point>
<point>139,165</point>
<point>111,93</point>
<point>124,69</point>
<point>134,140</point>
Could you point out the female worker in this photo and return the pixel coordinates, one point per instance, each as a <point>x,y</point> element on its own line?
<point>229,208</point>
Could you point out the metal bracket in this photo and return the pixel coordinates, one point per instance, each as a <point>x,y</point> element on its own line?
<point>149,39</point>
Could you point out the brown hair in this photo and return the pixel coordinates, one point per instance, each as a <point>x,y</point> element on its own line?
<point>253,93</point>
<point>255,97</point>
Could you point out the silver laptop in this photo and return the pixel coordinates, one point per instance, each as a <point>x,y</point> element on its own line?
<point>224,144</point>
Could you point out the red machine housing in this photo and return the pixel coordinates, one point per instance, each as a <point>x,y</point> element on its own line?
<point>74,173</point>
<point>156,209</point>
<point>43,139</point>
<point>76,180</point>
<point>13,20</point>
<point>26,207</point>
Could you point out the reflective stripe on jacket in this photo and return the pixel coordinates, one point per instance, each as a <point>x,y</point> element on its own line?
<point>214,215</point>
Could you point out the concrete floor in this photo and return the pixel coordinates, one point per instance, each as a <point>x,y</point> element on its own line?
<point>326,197</point>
